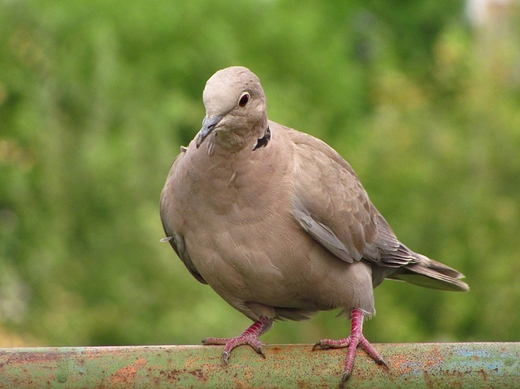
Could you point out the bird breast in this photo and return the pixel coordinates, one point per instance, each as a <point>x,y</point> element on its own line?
<point>243,239</point>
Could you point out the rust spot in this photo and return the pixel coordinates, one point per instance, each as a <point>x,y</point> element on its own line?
<point>434,358</point>
<point>171,375</point>
<point>197,373</point>
<point>401,363</point>
<point>127,374</point>
<point>22,359</point>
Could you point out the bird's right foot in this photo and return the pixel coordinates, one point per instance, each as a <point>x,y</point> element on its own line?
<point>249,336</point>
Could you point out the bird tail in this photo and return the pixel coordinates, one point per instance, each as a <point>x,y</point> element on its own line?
<point>431,274</point>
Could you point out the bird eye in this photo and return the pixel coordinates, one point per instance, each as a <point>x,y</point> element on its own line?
<point>243,99</point>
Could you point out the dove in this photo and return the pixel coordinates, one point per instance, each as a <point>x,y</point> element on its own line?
<point>277,223</point>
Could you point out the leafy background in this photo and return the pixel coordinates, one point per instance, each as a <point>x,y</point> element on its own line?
<point>97,96</point>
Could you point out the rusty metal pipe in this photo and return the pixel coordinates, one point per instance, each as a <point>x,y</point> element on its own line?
<point>426,365</point>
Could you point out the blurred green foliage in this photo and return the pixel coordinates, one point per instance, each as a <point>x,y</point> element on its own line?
<point>97,96</point>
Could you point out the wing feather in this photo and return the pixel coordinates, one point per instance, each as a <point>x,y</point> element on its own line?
<point>332,206</point>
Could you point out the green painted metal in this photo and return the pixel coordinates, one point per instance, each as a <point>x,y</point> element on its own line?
<point>423,365</point>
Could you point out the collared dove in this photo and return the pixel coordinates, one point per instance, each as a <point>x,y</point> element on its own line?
<point>278,223</point>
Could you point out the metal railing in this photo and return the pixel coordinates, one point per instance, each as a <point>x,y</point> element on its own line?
<point>413,365</point>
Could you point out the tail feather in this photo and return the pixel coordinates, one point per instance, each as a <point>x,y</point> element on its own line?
<point>431,274</point>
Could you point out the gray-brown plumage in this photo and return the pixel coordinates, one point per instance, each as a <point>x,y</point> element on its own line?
<point>277,222</point>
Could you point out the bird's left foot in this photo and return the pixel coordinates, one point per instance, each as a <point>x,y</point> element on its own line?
<point>249,336</point>
<point>355,340</point>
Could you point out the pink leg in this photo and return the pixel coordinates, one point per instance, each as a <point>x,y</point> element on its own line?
<point>249,336</point>
<point>356,339</point>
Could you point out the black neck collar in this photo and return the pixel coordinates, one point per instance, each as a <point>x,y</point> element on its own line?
<point>263,141</point>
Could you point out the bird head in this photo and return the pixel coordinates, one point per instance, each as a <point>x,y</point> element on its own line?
<point>235,109</point>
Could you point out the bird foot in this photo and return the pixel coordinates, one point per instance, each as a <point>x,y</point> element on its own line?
<point>249,336</point>
<point>231,343</point>
<point>355,340</point>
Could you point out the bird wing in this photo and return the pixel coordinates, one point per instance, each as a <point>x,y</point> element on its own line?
<point>332,206</point>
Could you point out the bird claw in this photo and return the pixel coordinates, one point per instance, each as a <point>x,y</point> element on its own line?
<point>225,357</point>
<point>348,372</point>
<point>260,350</point>
<point>344,378</point>
<point>381,362</point>
<point>320,345</point>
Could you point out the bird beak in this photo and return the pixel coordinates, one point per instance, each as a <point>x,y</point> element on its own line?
<point>208,124</point>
